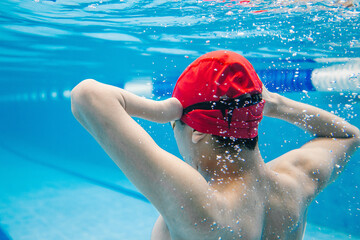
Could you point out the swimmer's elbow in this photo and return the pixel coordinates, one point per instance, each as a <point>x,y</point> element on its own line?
<point>356,137</point>
<point>353,133</point>
<point>81,97</point>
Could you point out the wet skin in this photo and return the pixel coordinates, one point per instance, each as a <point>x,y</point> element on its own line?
<point>217,193</point>
<point>260,202</point>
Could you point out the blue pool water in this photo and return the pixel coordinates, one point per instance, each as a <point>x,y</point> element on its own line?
<point>57,183</point>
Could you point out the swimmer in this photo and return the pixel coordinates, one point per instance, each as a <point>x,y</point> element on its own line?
<point>223,189</point>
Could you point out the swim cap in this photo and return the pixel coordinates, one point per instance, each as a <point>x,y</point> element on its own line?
<point>221,95</point>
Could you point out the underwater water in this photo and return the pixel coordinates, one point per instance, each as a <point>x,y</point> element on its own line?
<point>57,183</point>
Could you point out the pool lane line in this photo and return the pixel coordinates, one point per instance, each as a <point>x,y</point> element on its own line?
<point>3,235</point>
<point>104,184</point>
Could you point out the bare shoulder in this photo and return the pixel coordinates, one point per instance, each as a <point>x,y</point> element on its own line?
<point>289,174</point>
<point>316,164</point>
<point>290,162</point>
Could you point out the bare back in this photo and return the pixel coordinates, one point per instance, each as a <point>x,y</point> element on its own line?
<point>274,208</point>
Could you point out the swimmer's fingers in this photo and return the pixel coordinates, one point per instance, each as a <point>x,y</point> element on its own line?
<point>266,94</point>
<point>173,108</point>
<point>270,102</point>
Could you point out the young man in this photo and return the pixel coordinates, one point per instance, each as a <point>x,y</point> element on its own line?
<point>223,190</point>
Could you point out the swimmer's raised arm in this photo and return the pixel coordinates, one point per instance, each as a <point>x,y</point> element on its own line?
<point>163,178</point>
<point>155,111</point>
<point>323,158</point>
<point>314,120</point>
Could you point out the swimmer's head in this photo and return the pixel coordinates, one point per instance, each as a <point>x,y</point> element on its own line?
<point>221,95</point>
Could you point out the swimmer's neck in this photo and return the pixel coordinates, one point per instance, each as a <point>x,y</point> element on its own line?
<point>223,167</point>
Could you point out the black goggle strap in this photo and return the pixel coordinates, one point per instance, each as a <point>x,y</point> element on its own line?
<point>226,106</point>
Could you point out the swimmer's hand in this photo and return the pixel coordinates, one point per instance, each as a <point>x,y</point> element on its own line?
<point>173,108</point>
<point>271,102</point>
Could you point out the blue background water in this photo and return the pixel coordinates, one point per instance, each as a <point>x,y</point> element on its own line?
<point>57,183</point>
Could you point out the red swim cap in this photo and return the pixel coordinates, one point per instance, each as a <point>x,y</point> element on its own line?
<point>221,77</point>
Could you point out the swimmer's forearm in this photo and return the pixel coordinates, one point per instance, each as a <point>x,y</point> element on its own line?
<point>157,111</point>
<point>314,120</point>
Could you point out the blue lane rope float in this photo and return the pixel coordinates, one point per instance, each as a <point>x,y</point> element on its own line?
<point>336,78</point>
<point>287,80</point>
